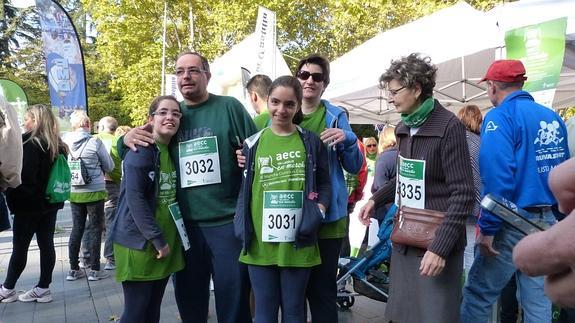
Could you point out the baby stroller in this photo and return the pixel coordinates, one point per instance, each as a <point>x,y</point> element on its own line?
<point>365,272</point>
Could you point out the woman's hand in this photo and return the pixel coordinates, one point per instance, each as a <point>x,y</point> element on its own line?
<point>431,264</point>
<point>365,212</point>
<point>163,252</point>
<point>241,158</point>
<point>141,135</point>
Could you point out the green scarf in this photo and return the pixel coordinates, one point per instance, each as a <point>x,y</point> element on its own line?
<point>371,156</point>
<point>418,117</point>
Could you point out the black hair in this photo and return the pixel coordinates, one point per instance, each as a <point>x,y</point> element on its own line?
<point>317,60</point>
<point>292,83</point>
<point>205,63</point>
<point>260,84</point>
<point>156,103</point>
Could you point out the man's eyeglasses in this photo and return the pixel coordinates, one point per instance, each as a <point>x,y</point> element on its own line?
<point>392,93</point>
<point>164,113</point>
<point>371,145</point>
<point>189,71</point>
<point>304,75</point>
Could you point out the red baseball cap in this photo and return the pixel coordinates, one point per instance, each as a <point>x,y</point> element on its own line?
<point>505,70</point>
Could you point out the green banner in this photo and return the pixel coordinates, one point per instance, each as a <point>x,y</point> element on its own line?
<point>15,96</point>
<point>541,48</point>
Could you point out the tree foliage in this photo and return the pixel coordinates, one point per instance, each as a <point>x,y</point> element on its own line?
<point>123,67</point>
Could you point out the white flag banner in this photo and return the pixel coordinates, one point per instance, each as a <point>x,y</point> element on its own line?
<point>171,87</point>
<point>266,42</point>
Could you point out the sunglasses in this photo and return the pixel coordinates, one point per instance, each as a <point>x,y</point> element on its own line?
<point>371,145</point>
<point>304,75</point>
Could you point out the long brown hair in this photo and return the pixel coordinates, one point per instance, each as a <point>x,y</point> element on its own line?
<point>46,129</point>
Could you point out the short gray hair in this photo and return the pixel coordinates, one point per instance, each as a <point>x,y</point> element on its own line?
<point>411,70</point>
<point>79,119</point>
<point>107,124</point>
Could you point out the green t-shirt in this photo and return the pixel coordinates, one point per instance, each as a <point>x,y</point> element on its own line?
<point>111,143</point>
<point>370,160</point>
<point>142,265</point>
<point>279,168</point>
<point>225,120</point>
<point>315,122</point>
<point>261,121</point>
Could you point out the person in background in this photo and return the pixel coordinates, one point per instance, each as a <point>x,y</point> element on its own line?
<point>355,185</point>
<point>370,144</point>
<point>385,166</point>
<point>146,242</point>
<point>521,141</point>
<point>87,201</point>
<point>279,267</point>
<point>257,88</point>
<point>425,284</point>
<point>121,131</point>
<point>33,214</point>
<point>10,156</point>
<point>106,132</point>
<point>472,118</point>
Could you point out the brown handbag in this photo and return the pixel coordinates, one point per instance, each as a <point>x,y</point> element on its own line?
<point>416,227</point>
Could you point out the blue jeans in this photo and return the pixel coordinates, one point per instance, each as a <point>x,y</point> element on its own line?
<point>214,252</point>
<point>489,275</point>
<point>276,287</point>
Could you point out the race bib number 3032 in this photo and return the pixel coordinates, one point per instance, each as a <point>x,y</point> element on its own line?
<point>282,212</point>
<point>199,162</point>
<point>411,183</point>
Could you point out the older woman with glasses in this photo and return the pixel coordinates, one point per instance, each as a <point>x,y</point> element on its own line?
<point>426,283</point>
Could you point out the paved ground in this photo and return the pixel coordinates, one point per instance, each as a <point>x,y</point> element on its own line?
<point>83,301</point>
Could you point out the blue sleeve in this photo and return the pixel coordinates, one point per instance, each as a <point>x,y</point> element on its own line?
<point>138,167</point>
<point>497,164</point>
<point>350,156</point>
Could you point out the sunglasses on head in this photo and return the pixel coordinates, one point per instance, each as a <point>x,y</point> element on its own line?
<point>304,75</point>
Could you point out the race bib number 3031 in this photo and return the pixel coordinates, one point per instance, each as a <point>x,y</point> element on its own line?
<point>411,183</point>
<point>199,162</point>
<point>282,214</point>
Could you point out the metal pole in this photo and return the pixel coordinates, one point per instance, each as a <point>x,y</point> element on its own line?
<point>164,50</point>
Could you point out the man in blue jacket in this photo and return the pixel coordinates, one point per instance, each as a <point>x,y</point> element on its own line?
<point>521,141</point>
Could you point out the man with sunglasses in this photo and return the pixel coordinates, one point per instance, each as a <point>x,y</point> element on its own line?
<point>331,124</point>
<point>212,128</point>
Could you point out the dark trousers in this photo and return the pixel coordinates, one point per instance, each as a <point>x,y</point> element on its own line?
<point>4,220</point>
<point>110,205</point>
<point>93,212</point>
<point>143,300</point>
<point>25,226</point>
<point>508,302</point>
<point>214,252</point>
<point>322,286</point>
<point>276,287</point>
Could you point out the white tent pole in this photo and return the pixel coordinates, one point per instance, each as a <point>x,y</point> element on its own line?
<point>463,93</point>
<point>164,50</point>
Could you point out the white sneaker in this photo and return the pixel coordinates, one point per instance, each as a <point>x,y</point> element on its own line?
<point>94,275</point>
<point>110,265</point>
<point>7,295</point>
<point>40,295</point>
<point>75,274</point>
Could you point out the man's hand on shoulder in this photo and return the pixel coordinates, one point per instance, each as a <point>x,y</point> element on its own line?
<point>139,136</point>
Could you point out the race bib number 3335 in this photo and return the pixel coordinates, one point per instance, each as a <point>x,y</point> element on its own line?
<point>411,183</point>
<point>199,162</point>
<point>282,214</point>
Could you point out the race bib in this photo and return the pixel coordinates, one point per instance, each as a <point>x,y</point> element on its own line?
<point>177,217</point>
<point>411,183</point>
<point>77,172</point>
<point>199,162</point>
<point>281,215</point>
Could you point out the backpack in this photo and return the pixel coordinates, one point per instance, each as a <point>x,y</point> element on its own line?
<point>58,188</point>
<point>78,169</point>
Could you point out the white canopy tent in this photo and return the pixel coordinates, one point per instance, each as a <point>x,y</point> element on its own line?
<point>461,41</point>
<point>241,59</point>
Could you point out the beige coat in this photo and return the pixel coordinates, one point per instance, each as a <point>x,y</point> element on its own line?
<point>10,146</point>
